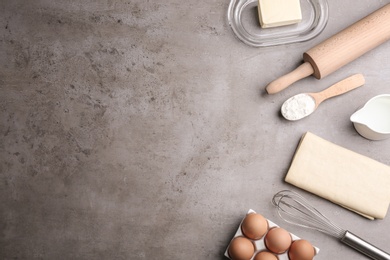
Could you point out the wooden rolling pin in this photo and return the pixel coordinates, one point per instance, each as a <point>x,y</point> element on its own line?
<point>340,49</point>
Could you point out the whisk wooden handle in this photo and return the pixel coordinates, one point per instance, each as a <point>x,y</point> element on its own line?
<point>364,247</point>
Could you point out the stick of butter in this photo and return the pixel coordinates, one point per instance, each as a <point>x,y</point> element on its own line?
<point>274,13</point>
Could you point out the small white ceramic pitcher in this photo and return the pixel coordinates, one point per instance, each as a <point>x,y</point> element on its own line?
<point>372,121</point>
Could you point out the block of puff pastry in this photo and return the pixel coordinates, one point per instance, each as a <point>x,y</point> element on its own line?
<point>342,176</point>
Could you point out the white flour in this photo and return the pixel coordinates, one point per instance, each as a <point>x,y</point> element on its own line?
<point>298,107</point>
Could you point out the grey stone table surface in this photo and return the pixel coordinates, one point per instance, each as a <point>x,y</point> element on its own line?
<point>141,129</point>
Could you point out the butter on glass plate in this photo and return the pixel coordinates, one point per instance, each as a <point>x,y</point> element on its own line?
<point>244,21</point>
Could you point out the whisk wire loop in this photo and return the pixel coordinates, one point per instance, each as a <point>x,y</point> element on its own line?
<point>296,210</point>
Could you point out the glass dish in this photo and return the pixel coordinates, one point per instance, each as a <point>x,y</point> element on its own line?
<point>244,21</point>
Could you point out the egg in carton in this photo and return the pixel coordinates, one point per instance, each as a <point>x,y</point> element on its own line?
<point>258,238</point>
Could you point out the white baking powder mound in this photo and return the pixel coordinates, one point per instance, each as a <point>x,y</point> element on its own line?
<point>298,107</point>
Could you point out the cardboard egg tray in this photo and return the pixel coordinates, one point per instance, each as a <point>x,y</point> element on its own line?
<point>260,244</point>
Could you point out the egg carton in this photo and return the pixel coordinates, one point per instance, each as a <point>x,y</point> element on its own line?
<point>260,244</point>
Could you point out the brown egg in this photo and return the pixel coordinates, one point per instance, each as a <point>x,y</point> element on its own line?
<point>241,248</point>
<point>301,250</point>
<point>278,240</point>
<point>254,226</point>
<point>264,255</point>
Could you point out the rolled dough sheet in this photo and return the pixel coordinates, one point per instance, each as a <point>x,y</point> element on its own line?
<point>344,177</point>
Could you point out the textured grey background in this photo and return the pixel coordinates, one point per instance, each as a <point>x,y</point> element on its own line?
<point>140,129</point>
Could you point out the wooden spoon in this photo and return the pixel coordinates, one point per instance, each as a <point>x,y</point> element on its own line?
<point>302,105</point>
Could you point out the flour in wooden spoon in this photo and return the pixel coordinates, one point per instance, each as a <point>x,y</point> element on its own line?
<point>298,107</point>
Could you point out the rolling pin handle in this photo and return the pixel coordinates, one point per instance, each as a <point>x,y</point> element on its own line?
<point>303,71</point>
